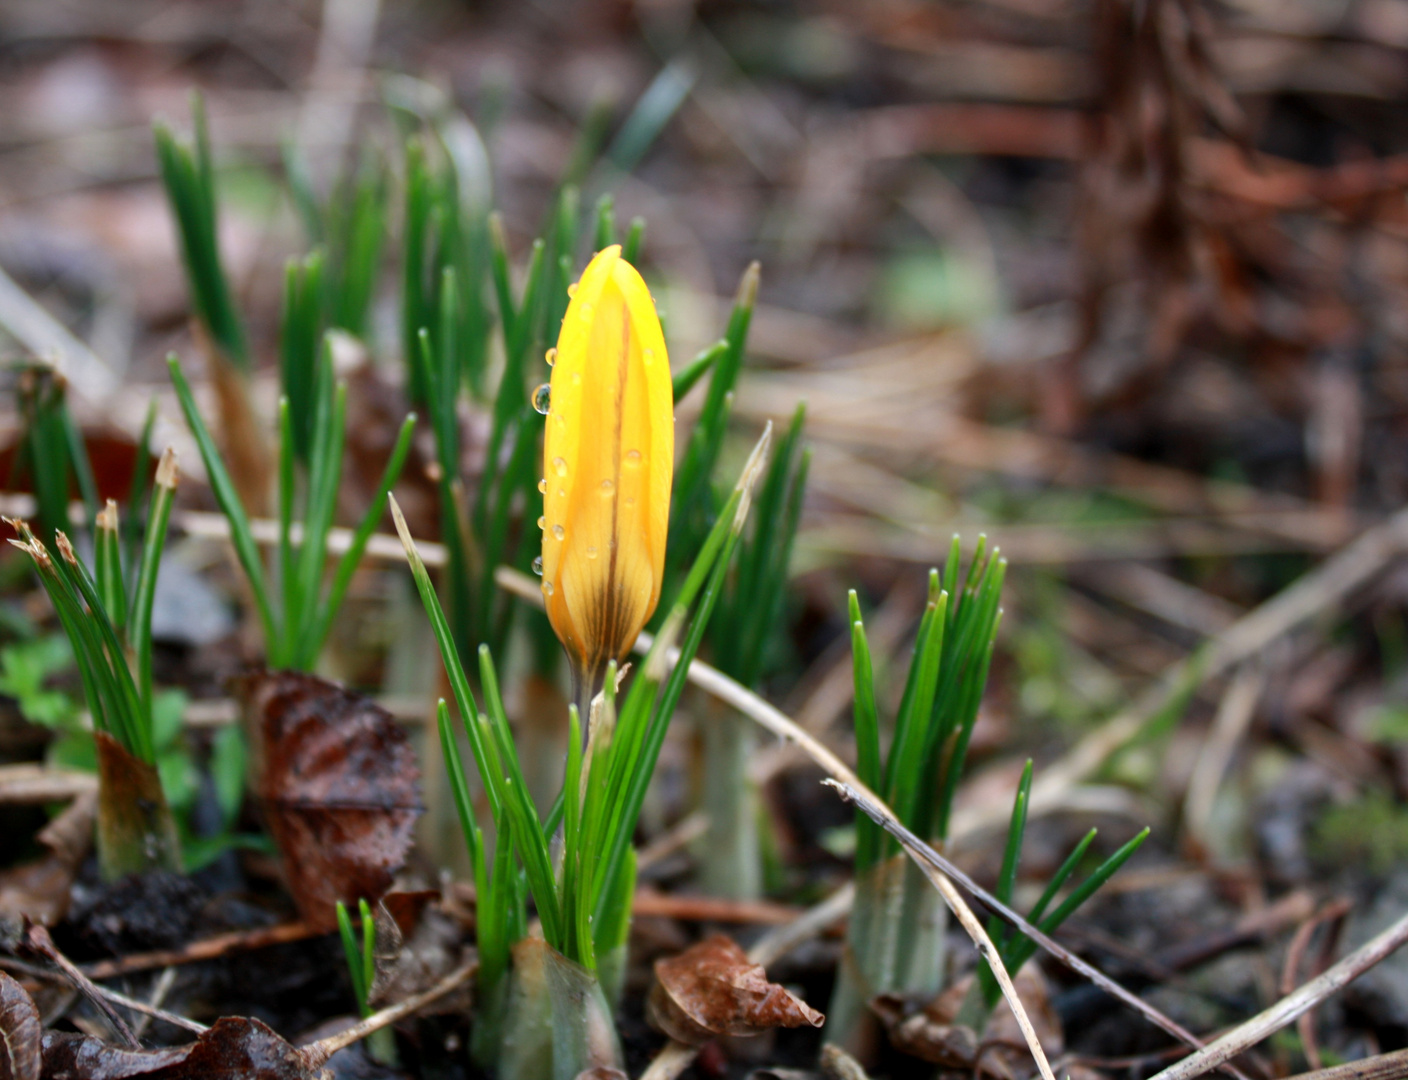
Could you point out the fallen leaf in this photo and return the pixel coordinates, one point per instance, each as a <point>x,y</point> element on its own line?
<point>236,1048</point>
<point>417,945</point>
<point>713,989</point>
<point>136,831</point>
<point>338,782</point>
<point>41,889</point>
<point>928,1032</point>
<point>20,1030</point>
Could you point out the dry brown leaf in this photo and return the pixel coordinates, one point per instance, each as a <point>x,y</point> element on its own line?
<point>20,1030</point>
<point>929,1032</point>
<point>136,831</point>
<point>41,889</point>
<point>338,782</point>
<point>713,989</point>
<point>417,945</point>
<point>234,1049</point>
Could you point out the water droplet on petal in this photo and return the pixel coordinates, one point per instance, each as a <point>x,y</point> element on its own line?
<point>633,458</point>
<point>547,587</point>
<point>543,485</point>
<point>562,493</point>
<point>591,553</point>
<point>572,289</point>
<point>551,356</point>
<point>576,378</point>
<point>542,398</point>
<point>559,532</point>
<point>649,356</point>
<point>542,522</point>
<point>538,566</point>
<point>586,310</point>
<point>608,488</point>
<point>630,500</point>
<point>559,466</point>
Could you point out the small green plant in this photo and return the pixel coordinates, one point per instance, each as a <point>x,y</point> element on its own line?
<point>51,450</point>
<point>360,951</point>
<point>189,176</point>
<point>555,1020</point>
<point>895,939</point>
<point>108,626</point>
<point>1014,947</point>
<point>298,618</point>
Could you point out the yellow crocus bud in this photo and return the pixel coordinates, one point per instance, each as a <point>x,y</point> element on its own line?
<point>608,461</point>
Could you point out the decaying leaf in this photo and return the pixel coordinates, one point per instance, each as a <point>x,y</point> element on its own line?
<point>20,1030</point>
<point>41,889</point>
<point>236,1048</point>
<point>338,783</point>
<point>136,831</point>
<point>417,945</point>
<point>928,1031</point>
<point>713,989</point>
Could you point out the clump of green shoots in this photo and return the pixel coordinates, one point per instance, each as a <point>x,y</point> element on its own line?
<point>106,615</point>
<point>360,951</point>
<point>51,450</point>
<point>1014,947</point>
<point>895,939</point>
<point>189,176</point>
<point>298,617</point>
<point>552,1017</point>
<point>894,943</point>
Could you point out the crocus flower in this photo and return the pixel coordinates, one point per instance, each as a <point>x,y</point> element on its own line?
<point>608,460</point>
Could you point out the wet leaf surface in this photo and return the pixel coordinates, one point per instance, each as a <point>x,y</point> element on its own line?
<point>20,1029</point>
<point>234,1048</point>
<point>338,782</point>
<point>713,989</point>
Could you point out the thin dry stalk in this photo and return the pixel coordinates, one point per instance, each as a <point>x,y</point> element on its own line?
<point>1322,589</point>
<point>1245,1036</point>
<point>318,1052</point>
<point>1234,716</point>
<point>1392,1066</point>
<point>919,850</point>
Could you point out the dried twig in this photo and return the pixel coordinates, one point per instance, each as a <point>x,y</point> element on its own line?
<point>1271,1020</point>
<point>1393,1066</point>
<point>919,850</point>
<point>318,1052</point>
<point>1322,589</point>
<point>208,949</point>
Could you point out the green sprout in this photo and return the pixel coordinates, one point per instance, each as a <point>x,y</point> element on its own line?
<point>298,618</point>
<point>108,627</point>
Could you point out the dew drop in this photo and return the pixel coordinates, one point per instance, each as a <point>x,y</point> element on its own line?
<point>576,378</point>
<point>586,310</point>
<point>562,493</point>
<point>649,357</point>
<point>559,466</point>
<point>591,552</point>
<point>542,398</point>
<point>630,500</point>
<point>551,356</point>
<point>538,566</point>
<point>558,532</point>
<point>572,289</point>
<point>547,587</point>
<point>542,522</point>
<point>543,485</point>
<point>633,458</point>
<point>608,488</point>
